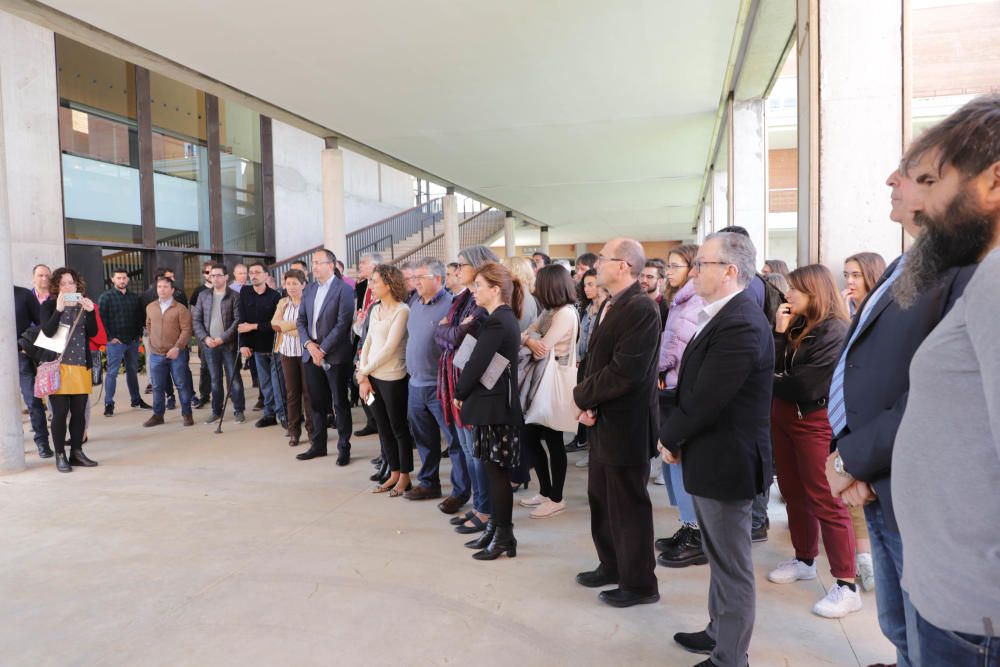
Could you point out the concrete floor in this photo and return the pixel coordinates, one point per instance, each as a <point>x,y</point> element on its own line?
<point>189,548</point>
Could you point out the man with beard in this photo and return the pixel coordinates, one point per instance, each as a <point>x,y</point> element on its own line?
<point>651,281</point>
<point>869,393</point>
<point>948,506</point>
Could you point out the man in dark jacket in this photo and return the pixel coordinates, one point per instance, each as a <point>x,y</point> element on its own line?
<point>721,430</point>
<point>123,321</point>
<point>617,399</point>
<point>256,338</point>
<point>215,319</point>
<point>26,315</point>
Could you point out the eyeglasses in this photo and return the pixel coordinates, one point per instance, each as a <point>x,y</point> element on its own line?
<point>462,265</point>
<point>602,258</point>
<point>698,263</point>
<point>676,267</point>
<point>428,276</point>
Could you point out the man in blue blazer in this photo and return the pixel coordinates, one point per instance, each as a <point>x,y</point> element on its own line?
<point>324,327</point>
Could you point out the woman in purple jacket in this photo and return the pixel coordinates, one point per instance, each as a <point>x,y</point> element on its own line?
<point>465,318</point>
<point>684,547</point>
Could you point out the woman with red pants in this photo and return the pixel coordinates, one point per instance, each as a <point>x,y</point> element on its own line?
<point>809,333</point>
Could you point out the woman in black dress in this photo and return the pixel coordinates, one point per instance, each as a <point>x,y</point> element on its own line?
<point>495,412</point>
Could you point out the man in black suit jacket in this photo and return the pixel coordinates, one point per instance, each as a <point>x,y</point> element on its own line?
<point>865,413</point>
<point>721,431</point>
<point>25,316</point>
<point>617,399</point>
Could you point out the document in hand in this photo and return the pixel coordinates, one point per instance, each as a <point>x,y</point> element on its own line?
<point>497,366</point>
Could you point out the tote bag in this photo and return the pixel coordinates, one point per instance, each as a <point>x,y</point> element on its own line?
<point>553,403</point>
<point>47,377</point>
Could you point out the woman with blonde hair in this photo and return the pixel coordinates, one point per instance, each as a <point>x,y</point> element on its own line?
<point>523,270</point>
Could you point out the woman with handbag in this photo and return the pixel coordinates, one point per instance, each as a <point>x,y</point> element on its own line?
<point>552,341</point>
<point>289,349</point>
<point>495,410</point>
<point>70,378</point>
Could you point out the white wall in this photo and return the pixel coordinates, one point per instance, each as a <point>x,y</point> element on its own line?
<point>31,138</point>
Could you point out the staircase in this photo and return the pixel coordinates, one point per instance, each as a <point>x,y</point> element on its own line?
<point>479,229</point>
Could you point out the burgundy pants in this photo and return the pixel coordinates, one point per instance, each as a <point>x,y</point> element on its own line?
<point>801,447</point>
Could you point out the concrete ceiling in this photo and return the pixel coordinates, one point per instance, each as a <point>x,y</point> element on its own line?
<point>590,116</point>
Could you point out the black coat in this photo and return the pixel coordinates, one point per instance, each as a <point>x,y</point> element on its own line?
<point>721,424</point>
<point>51,318</point>
<point>26,311</point>
<point>501,334</point>
<point>877,378</point>
<point>258,309</point>
<point>619,381</point>
<point>802,376</point>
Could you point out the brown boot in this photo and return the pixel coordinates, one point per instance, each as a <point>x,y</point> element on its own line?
<point>188,420</point>
<point>155,420</point>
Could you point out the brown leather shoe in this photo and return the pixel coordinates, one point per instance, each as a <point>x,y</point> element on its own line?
<point>155,420</point>
<point>188,420</point>
<point>423,493</point>
<point>293,441</point>
<point>451,504</point>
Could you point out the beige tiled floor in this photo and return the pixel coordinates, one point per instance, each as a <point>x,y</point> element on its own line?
<point>189,548</point>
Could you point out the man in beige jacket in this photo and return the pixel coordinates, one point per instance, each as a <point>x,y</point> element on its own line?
<point>169,326</point>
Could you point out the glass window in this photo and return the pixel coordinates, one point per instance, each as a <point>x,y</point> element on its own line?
<point>180,164</point>
<point>99,143</point>
<point>240,160</point>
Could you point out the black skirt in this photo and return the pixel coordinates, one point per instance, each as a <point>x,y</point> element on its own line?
<point>499,444</point>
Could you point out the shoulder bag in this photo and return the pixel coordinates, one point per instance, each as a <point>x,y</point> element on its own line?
<point>47,378</point>
<point>553,404</point>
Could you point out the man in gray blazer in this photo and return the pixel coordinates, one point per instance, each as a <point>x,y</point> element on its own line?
<point>324,327</point>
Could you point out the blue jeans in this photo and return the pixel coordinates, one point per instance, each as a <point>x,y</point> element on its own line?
<point>423,411</point>
<point>271,386</point>
<point>955,649</point>
<point>477,473</point>
<point>160,369</point>
<point>36,409</point>
<point>221,365</point>
<point>673,477</point>
<point>129,352</point>
<point>896,616</point>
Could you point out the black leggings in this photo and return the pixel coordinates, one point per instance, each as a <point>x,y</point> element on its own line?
<point>389,408</point>
<point>501,495</point>
<point>72,408</point>
<point>549,486</point>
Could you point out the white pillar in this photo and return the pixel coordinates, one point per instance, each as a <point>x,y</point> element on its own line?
<point>580,248</point>
<point>11,430</point>
<point>843,164</point>
<point>334,222</point>
<point>720,202</point>
<point>452,241</point>
<point>750,173</point>
<point>543,239</point>
<point>510,243</point>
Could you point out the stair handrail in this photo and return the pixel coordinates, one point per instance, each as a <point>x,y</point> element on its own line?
<point>471,219</point>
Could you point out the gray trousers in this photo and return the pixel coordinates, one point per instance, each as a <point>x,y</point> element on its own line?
<point>725,534</point>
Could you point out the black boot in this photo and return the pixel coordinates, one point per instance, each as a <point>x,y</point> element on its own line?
<point>382,473</point>
<point>667,543</point>
<point>78,458</point>
<point>44,451</point>
<point>687,552</point>
<point>483,540</point>
<point>503,543</point>
<point>62,465</point>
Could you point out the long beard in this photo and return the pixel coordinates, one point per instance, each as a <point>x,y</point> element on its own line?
<point>958,237</point>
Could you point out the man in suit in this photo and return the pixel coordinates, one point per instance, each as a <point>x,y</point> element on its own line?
<point>617,401</point>
<point>324,327</point>
<point>26,315</point>
<point>721,430</point>
<point>867,399</point>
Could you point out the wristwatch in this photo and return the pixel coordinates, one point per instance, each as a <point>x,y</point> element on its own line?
<point>838,466</point>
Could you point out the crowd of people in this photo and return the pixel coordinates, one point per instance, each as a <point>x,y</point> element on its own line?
<point>876,405</point>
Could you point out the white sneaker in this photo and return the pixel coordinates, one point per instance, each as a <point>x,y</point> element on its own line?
<point>866,571</point>
<point>584,461</point>
<point>839,602</point>
<point>534,501</point>
<point>548,508</point>
<point>792,570</point>
<point>658,480</point>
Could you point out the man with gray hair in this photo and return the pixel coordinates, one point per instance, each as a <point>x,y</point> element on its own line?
<point>721,429</point>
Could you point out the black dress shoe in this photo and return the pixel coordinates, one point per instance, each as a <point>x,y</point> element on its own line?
<point>44,451</point>
<point>381,474</point>
<point>596,578</point>
<point>109,409</point>
<point>62,465</point>
<point>665,543</point>
<point>343,459</point>
<point>759,534</point>
<point>696,642</point>
<point>377,461</point>
<point>264,422</point>
<point>78,458</point>
<point>143,405</point>
<point>617,597</point>
<point>310,454</point>
<point>369,429</point>
<point>503,542</point>
<point>688,551</point>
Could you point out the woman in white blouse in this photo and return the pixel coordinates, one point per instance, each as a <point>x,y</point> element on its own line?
<point>382,372</point>
<point>288,345</point>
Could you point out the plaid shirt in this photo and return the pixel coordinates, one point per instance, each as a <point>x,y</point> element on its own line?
<point>122,315</point>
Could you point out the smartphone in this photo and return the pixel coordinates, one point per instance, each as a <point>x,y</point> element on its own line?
<point>72,297</point>
<point>371,398</point>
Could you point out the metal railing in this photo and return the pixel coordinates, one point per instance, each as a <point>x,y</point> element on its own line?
<point>475,230</point>
<point>381,236</point>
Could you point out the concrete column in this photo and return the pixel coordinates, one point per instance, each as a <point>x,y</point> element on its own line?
<point>750,173</point>
<point>452,241</point>
<point>843,164</point>
<point>580,248</point>
<point>720,202</point>
<point>510,243</point>
<point>334,222</point>
<point>543,239</point>
<point>11,431</point>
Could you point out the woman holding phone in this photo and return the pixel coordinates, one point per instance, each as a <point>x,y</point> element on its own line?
<point>495,411</point>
